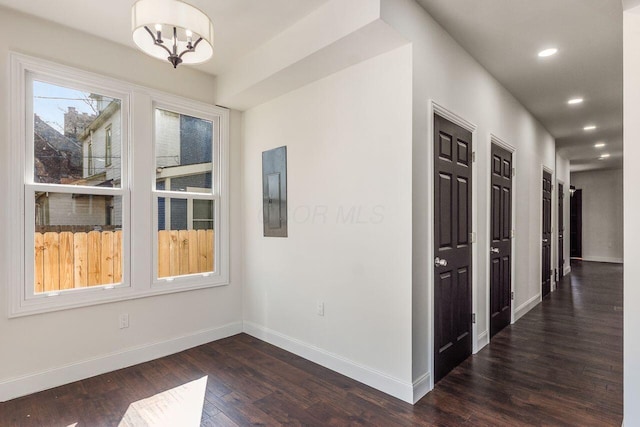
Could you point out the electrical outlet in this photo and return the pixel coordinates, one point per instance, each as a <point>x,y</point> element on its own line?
<point>320,308</point>
<point>124,321</point>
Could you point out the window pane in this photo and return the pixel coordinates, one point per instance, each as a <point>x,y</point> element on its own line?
<point>185,236</point>
<point>78,241</point>
<point>184,146</point>
<point>202,214</point>
<point>77,137</point>
<point>195,183</point>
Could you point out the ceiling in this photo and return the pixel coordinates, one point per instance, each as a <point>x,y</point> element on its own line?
<point>242,25</point>
<point>505,37</point>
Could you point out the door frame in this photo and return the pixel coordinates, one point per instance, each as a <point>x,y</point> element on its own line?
<point>439,109</point>
<point>493,139</point>
<point>554,189</point>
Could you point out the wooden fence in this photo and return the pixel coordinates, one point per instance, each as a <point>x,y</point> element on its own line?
<point>68,260</point>
<point>185,252</point>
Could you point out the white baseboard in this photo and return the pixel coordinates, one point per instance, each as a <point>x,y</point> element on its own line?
<point>528,305</point>
<point>421,387</point>
<point>602,259</point>
<point>567,270</point>
<point>32,383</point>
<point>483,340</point>
<point>378,380</point>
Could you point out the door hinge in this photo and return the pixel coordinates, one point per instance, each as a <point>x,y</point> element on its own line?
<point>473,318</point>
<point>473,156</point>
<point>512,297</point>
<point>555,275</point>
<point>513,171</point>
<point>512,233</point>
<point>472,237</point>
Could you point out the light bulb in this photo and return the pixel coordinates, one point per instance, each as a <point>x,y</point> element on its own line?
<point>548,52</point>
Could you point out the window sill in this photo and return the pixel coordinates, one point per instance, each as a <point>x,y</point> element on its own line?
<point>116,294</point>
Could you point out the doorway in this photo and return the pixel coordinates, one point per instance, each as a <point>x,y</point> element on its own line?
<point>546,233</point>
<point>575,216</point>
<point>560,231</point>
<point>500,250</point>
<point>453,161</point>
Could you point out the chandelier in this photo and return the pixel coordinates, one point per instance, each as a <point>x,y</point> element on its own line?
<point>172,30</point>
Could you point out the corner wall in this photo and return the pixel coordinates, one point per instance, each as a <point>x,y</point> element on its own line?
<point>444,72</point>
<point>348,139</point>
<point>46,350</point>
<point>602,214</point>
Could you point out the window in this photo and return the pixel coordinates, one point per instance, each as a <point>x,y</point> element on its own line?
<point>90,166</point>
<point>107,146</point>
<point>186,193</point>
<point>76,240</point>
<point>75,232</point>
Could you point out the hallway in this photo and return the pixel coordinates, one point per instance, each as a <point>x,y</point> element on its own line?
<point>561,364</point>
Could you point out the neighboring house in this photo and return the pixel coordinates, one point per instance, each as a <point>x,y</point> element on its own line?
<point>76,122</point>
<point>89,154</point>
<point>58,159</point>
<point>101,152</point>
<point>182,142</point>
<point>63,159</point>
<point>101,144</point>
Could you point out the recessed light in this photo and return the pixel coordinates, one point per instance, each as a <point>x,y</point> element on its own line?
<point>547,52</point>
<point>600,145</point>
<point>575,101</point>
<point>590,127</point>
<point>605,156</point>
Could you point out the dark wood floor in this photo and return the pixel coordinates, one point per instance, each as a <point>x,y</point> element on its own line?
<point>559,365</point>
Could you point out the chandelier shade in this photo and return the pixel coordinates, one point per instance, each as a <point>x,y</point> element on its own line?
<point>172,30</point>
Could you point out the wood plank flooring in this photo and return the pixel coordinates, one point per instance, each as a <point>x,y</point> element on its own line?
<point>559,365</point>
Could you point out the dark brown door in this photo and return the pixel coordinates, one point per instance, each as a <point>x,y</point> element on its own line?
<point>452,240</point>
<point>500,250</point>
<point>575,225</point>
<point>546,233</point>
<point>560,231</point>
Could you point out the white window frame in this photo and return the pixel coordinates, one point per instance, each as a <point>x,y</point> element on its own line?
<point>206,113</point>
<point>137,109</point>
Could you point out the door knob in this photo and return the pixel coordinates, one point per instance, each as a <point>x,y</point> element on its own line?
<point>495,250</point>
<point>545,240</point>
<point>440,262</point>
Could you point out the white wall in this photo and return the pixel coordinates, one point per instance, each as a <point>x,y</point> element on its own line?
<point>348,139</point>
<point>50,349</point>
<point>280,302</point>
<point>444,72</point>
<point>602,227</point>
<point>563,176</point>
<point>631,42</point>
